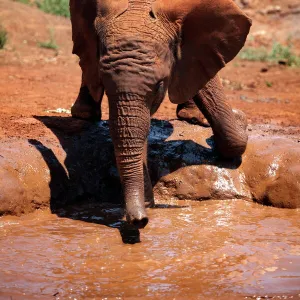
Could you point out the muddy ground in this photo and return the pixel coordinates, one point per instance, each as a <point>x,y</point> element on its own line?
<point>224,250</point>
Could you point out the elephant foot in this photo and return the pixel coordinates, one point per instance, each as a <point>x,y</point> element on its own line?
<point>85,107</point>
<point>149,196</point>
<point>190,113</point>
<point>149,203</point>
<point>233,145</point>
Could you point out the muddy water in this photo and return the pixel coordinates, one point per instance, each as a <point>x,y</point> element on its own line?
<point>189,250</point>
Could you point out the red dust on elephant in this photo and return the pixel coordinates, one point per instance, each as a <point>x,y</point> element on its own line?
<point>136,51</point>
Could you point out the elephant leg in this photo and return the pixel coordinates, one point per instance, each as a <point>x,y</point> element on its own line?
<point>189,112</point>
<point>85,107</point>
<point>148,189</point>
<point>241,118</point>
<point>229,126</point>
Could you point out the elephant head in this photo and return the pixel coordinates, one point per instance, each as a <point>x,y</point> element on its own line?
<point>137,50</point>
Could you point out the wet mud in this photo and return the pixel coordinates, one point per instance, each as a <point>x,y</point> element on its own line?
<point>189,250</point>
<point>77,164</point>
<point>81,248</point>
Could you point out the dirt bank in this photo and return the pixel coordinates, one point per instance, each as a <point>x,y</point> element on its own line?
<point>76,163</point>
<point>36,81</point>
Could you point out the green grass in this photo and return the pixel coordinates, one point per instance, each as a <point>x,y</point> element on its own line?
<point>276,54</point>
<point>23,1</point>
<point>284,53</point>
<point>50,44</point>
<point>254,54</point>
<point>55,7</point>
<point>269,84</point>
<point>3,37</point>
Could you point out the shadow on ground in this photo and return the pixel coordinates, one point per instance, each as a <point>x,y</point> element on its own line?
<point>87,187</point>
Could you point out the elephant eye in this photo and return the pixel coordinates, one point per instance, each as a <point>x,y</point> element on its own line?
<point>152,15</point>
<point>159,87</point>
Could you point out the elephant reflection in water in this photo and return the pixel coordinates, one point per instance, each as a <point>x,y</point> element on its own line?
<point>136,51</point>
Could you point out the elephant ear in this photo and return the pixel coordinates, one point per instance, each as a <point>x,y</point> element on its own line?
<point>85,17</point>
<point>211,33</point>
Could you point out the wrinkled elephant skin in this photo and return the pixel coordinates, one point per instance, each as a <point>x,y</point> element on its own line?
<point>135,51</point>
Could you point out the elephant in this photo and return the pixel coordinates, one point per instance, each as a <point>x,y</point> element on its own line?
<point>137,50</point>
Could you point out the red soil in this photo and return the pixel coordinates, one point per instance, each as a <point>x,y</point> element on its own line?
<point>34,80</point>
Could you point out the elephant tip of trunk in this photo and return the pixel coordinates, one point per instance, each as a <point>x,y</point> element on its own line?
<point>136,214</point>
<point>138,222</point>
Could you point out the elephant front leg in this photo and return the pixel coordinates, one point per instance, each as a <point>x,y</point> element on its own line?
<point>189,112</point>
<point>85,107</point>
<point>229,126</point>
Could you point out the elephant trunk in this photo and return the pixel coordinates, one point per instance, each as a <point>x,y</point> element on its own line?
<point>129,128</point>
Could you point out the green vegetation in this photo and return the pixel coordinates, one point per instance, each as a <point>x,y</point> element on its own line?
<point>3,37</point>
<point>284,53</point>
<point>254,54</point>
<point>50,44</point>
<point>269,84</point>
<point>23,1</point>
<point>278,53</point>
<point>55,7</point>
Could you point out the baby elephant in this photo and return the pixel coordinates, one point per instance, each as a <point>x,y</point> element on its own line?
<point>136,50</point>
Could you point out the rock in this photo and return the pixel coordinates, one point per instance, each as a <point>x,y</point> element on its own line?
<point>264,70</point>
<point>77,164</point>
<point>270,10</point>
<point>243,3</point>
